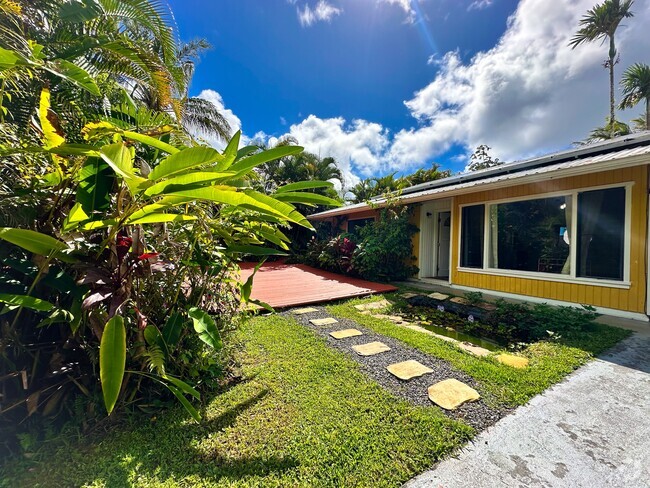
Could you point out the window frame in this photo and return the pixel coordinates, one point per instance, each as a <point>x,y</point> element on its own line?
<point>539,275</point>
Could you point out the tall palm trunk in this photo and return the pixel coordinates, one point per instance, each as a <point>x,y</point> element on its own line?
<point>647,114</point>
<point>612,60</point>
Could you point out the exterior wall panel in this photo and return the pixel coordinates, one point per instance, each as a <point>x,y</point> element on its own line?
<point>629,299</point>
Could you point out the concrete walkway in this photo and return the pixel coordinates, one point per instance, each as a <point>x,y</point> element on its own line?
<point>592,430</point>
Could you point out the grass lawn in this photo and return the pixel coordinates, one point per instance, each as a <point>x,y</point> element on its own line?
<point>549,361</point>
<point>305,416</point>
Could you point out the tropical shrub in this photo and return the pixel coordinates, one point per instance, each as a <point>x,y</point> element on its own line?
<point>385,249</point>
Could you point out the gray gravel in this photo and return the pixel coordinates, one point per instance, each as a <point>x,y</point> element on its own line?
<point>477,414</point>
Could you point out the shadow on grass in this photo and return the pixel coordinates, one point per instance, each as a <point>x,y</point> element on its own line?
<point>169,450</point>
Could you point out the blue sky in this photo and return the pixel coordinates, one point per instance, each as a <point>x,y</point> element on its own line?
<point>393,85</point>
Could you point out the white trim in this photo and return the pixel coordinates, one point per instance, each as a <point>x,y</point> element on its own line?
<point>526,298</point>
<point>532,275</point>
<point>572,277</point>
<point>451,237</point>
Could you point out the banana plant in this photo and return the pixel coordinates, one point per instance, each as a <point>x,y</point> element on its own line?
<point>105,187</point>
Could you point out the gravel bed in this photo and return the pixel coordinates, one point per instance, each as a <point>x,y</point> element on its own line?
<point>477,414</point>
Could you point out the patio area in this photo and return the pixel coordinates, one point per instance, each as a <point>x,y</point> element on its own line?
<point>288,285</point>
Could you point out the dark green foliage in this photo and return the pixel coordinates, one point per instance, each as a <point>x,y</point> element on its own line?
<point>385,251</point>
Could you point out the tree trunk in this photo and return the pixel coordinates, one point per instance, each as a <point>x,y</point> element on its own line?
<point>647,114</point>
<point>612,57</point>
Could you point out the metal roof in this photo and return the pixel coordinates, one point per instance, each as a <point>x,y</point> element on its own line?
<point>635,146</point>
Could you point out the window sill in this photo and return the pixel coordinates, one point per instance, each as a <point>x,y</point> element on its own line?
<point>548,277</point>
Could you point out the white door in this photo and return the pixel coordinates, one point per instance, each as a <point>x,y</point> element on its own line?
<point>444,237</point>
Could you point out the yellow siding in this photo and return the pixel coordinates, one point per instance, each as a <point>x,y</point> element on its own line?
<point>632,299</point>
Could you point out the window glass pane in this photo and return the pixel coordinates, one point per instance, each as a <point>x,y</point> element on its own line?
<point>531,235</point>
<point>471,240</point>
<point>601,229</point>
<point>357,224</point>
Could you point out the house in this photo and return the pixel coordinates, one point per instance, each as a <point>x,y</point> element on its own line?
<point>567,228</point>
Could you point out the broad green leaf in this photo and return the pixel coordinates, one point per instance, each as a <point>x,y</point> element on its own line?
<point>150,141</point>
<point>154,338</point>
<point>230,153</point>
<point>75,217</point>
<point>247,287</point>
<point>286,209</point>
<point>172,329</point>
<point>74,74</point>
<point>95,184</point>
<point>181,385</point>
<point>206,328</point>
<point>246,151</point>
<point>26,301</point>
<point>185,182</point>
<point>304,185</point>
<point>306,198</point>
<point>51,136</point>
<point>36,242</point>
<point>120,157</point>
<point>57,316</point>
<point>230,196</point>
<point>184,160</point>
<point>243,166</point>
<point>188,406</point>
<point>112,360</point>
<point>10,59</point>
<point>255,250</point>
<point>159,218</point>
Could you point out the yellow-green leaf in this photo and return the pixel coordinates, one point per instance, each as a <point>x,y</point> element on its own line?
<point>112,360</point>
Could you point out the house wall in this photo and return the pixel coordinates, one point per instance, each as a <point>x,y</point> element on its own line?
<point>629,299</point>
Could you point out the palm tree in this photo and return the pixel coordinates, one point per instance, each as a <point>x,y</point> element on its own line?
<point>636,87</point>
<point>608,131</point>
<point>600,23</point>
<point>193,113</point>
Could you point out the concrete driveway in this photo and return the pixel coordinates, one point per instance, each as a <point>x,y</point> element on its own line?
<point>592,430</point>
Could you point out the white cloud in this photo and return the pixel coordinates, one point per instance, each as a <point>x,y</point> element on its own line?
<point>480,4</point>
<point>406,6</point>
<point>234,122</point>
<point>323,11</point>
<point>529,94</point>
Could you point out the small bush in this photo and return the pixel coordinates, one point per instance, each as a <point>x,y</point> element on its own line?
<point>385,252</point>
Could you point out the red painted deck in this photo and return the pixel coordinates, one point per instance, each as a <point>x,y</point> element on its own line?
<point>288,285</point>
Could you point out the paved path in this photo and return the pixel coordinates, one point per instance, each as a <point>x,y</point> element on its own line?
<point>592,430</point>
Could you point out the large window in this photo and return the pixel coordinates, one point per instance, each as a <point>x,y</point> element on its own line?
<point>601,232</point>
<point>577,235</point>
<point>530,235</point>
<point>471,245</point>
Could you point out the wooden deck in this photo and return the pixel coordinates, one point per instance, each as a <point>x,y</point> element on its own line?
<point>288,285</point>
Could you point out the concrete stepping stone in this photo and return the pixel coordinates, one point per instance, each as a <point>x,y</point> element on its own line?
<point>300,311</point>
<point>513,361</point>
<point>371,348</point>
<point>345,333</point>
<point>325,321</point>
<point>393,318</point>
<point>373,305</point>
<point>451,394</point>
<point>438,296</point>
<point>460,300</point>
<point>407,370</point>
<point>472,349</point>
<point>406,296</point>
